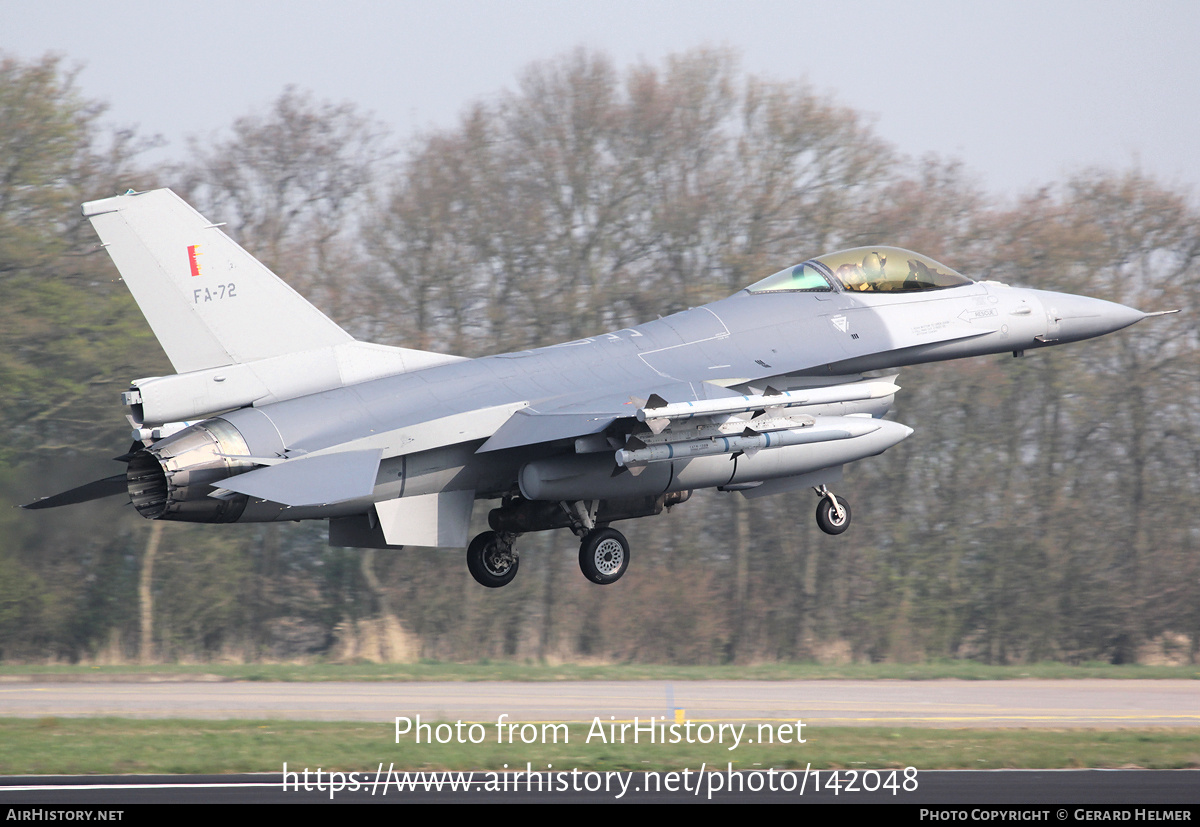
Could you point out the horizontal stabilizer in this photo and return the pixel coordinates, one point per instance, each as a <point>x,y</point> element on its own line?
<point>107,487</point>
<point>316,480</point>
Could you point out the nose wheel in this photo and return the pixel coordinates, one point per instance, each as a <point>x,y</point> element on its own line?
<point>833,513</point>
<point>604,555</point>
<point>492,560</point>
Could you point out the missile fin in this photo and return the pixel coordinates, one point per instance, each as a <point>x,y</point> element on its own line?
<point>657,426</point>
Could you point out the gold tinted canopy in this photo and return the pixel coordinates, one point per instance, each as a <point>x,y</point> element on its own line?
<point>864,270</point>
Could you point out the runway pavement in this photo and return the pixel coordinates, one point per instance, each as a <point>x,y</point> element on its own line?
<point>940,703</point>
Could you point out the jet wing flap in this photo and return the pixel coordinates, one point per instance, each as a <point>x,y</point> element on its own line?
<point>528,427</point>
<point>316,480</point>
<point>576,417</point>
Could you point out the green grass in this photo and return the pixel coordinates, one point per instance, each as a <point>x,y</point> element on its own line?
<point>116,746</point>
<point>513,671</point>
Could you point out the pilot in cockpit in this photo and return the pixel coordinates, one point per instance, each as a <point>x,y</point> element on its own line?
<point>872,268</point>
<point>864,277</point>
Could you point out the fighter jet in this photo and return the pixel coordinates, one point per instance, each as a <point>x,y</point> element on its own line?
<point>276,413</point>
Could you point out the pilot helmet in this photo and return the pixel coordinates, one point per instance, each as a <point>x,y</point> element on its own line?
<point>873,265</point>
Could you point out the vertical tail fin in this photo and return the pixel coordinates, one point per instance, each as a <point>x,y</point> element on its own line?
<point>209,302</point>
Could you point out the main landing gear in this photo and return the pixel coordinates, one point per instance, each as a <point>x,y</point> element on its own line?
<point>603,551</point>
<point>833,513</point>
<point>492,560</point>
<point>603,555</point>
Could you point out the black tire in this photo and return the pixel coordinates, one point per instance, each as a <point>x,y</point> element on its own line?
<point>827,518</point>
<point>604,555</point>
<point>491,562</point>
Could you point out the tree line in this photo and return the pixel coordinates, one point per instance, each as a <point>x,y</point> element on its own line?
<point>1041,511</point>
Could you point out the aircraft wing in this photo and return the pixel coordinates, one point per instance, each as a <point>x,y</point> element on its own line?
<point>527,427</point>
<point>575,417</point>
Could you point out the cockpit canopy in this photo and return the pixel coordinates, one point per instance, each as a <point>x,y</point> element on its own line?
<point>863,270</point>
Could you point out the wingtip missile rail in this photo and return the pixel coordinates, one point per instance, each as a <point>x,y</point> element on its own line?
<point>782,399</point>
<point>747,443</point>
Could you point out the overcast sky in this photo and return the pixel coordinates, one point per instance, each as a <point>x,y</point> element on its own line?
<point>1023,92</point>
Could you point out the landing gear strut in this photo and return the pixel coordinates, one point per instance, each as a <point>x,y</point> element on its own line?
<point>833,513</point>
<point>603,551</point>
<point>492,560</point>
<point>604,555</point>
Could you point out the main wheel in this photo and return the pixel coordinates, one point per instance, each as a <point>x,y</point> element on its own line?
<point>827,517</point>
<point>604,555</point>
<point>491,561</point>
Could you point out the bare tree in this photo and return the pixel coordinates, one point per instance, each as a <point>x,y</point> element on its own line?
<point>290,184</point>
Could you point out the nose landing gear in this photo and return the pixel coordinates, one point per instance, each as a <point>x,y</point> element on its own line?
<point>833,512</point>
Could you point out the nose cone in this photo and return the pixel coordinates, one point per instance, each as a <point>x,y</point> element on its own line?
<point>1070,318</point>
